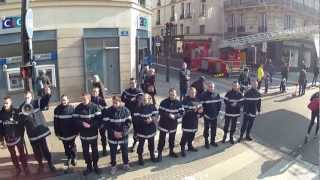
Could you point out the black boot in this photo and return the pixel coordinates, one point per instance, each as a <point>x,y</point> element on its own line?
<point>192,149</point>
<point>224,138</point>
<point>141,162</point>
<point>173,154</point>
<point>152,157</point>
<point>240,138</point>
<point>248,138</point>
<point>183,152</point>
<point>214,144</point>
<point>97,170</point>
<point>73,162</point>
<point>231,140</point>
<point>159,159</point>
<point>51,167</point>
<point>88,170</point>
<point>206,144</point>
<point>133,145</point>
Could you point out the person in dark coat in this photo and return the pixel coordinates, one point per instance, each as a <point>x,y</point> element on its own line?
<point>269,69</point>
<point>42,81</point>
<point>11,129</point>
<point>117,119</point>
<point>170,111</point>
<point>285,71</point>
<point>101,103</point>
<point>65,129</point>
<point>199,85</point>
<point>193,111</point>
<point>184,80</point>
<point>150,84</point>
<point>315,75</point>
<point>146,117</point>
<point>96,82</point>
<point>314,116</point>
<point>211,102</point>
<point>244,80</point>
<point>302,82</point>
<point>233,102</point>
<point>88,118</point>
<point>252,104</point>
<point>35,124</point>
<point>129,97</point>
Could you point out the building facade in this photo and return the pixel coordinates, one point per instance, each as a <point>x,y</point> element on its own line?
<point>73,40</point>
<point>198,20</point>
<point>245,17</point>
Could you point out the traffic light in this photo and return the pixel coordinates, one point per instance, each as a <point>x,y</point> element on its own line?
<point>26,72</point>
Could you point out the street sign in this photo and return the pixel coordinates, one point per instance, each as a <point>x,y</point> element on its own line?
<point>29,23</point>
<point>124,33</point>
<point>264,47</point>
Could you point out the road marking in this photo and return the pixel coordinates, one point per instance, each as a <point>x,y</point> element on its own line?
<point>237,163</point>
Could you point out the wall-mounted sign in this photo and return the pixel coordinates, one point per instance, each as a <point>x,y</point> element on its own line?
<point>29,23</point>
<point>11,22</point>
<point>38,57</point>
<point>124,32</point>
<point>143,22</point>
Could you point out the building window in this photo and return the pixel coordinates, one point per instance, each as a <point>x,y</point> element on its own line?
<point>289,22</point>
<point>158,18</point>
<point>172,13</point>
<point>181,29</point>
<point>2,1</point>
<point>188,10</point>
<point>202,29</point>
<point>162,32</point>
<point>14,80</point>
<point>188,30</point>
<point>241,23</point>
<point>142,3</point>
<point>203,8</point>
<point>159,3</point>
<point>263,23</point>
<point>182,11</point>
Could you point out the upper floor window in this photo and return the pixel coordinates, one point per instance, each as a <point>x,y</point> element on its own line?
<point>172,13</point>
<point>142,3</point>
<point>188,10</point>
<point>182,11</point>
<point>202,29</point>
<point>158,17</point>
<point>188,30</point>
<point>203,8</point>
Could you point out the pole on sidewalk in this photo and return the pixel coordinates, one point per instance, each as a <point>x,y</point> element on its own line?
<point>168,41</point>
<point>26,44</point>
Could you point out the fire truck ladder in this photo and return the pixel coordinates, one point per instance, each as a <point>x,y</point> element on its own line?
<point>240,42</point>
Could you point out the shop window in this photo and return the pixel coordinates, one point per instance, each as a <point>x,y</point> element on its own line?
<point>14,80</point>
<point>49,71</point>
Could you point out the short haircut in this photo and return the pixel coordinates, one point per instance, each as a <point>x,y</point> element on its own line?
<point>116,98</point>
<point>235,82</point>
<point>28,92</point>
<point>7,97</point>
<point>86,94</point>
<point>132,79</point>
<point>96,87</point>
<point>172,89</point>
<point>63,95</point>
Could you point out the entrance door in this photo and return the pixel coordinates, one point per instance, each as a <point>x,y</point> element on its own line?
<point>112,64</point>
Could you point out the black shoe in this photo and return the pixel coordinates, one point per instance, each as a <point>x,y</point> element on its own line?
<point>214,144</point>
<point>192,149</point>
<point>206,144</point>
<point>159,159</point>
<point>51,167</point>
<point>73,162</point>
<point>240,139</point>
<point>88,170</point>
<point>67,163</point>
<point>248,138</point>
<point>140,161</point>
<point>152,157</point>
<point>231,140</point>
<point>173,154</point>
<point>183,152</point>
<point>224,138</point>
<point>97,170</point>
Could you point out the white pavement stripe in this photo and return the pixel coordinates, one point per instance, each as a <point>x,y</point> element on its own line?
<point>237,163</point>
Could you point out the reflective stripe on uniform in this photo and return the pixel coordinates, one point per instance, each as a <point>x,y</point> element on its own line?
<point>189,130</point>
<point>252,99</point>
<point>143,115</point>
<point>63,116</point>
<point>232,115</point>
<point>117,120</point>
<point>88,138</point>
<point>116,142</point>
<point>165,130</point>
<point>67,138</point>
<point>251,115</point>
<point>13,143</point>
<point>171,110</point>
<point>208,117</point>
<point>211,101</point>
<point>40,136</point>
<point>146,136</point>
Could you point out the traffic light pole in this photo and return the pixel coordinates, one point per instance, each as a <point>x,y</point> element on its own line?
<point>26,45</point>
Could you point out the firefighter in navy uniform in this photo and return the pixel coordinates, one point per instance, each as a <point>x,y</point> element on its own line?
<point>65,129</point>
<point>117,119</point>
<point>129,98</point>
<point>12,131</point>
<point>170,111</point>
<point>252,104</point>
<point>88,118</point>
<point>101,103</point>
<point>211,104</point>
<point>193,110</point>
<point>146,117</point>
<point>233,101</point>
<point>35,125</point>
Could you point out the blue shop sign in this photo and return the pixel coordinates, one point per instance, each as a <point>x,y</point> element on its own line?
<point>11,22</point>
<point>3,61</point>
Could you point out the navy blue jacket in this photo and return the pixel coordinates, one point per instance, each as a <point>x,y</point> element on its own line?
<point>191,115</point>
<point>211,103</point>
<point>128,97</point>
<point>167,107</point>
<point>144,129</point>
<point>11,127</point>
<point>233,97</point>
<point>252,102</point>
<point>64,123</point>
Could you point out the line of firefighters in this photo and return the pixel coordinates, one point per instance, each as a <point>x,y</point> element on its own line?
<point>92,115</point>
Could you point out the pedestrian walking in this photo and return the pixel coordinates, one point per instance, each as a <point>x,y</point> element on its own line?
<point>266,79</point>
<point>144,73</point>
<point>285,71</point>
<point>184,80</point>
<point>42,81</point>
<point>260,75</point>
<point>315,75</point>
<point>199,85</point>
<point>251,104</point>
<point>314,107</point>
<point>211,102</point>
<point>65,129</point>
<point>150,84</point>
<point>233,101</point>
<point>129,97</point>
<point>193,111</point>
<point>11,128</point>
<point>146,117</point>
<point>302,81</point>
<point>269,68</point>
<point>117,120</point>
<point>34,123</point>
<point>170,111</point>
<point>101,103</point>
<point>88,118</point>
<point>244,80</point>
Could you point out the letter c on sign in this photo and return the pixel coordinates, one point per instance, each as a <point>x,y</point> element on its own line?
<point>18,23</point>
<point>7,23</point>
